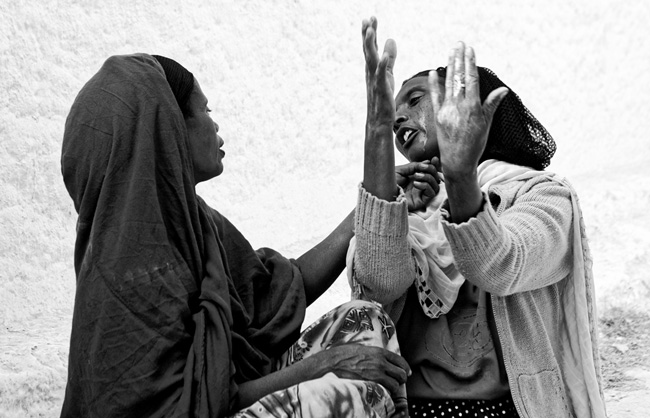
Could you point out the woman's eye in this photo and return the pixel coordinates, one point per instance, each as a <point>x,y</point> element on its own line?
<point>207,109</point>
<point>415,99</point>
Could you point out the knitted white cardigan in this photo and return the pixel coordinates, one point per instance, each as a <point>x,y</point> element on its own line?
<point>527,251</point>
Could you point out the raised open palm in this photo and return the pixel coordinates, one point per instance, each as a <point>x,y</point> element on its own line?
<point>462,121</point>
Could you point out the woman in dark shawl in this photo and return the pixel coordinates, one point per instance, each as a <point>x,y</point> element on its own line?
<point>175,314</point>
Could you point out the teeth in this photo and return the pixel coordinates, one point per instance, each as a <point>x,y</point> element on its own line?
<point>407,134</point>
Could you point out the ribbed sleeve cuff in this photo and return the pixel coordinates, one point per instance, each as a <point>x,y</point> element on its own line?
<point>381,217</point>
<point>471,239</point>
<point>383,262</point>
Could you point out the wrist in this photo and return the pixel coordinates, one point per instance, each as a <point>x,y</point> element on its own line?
<point>316,366</point>
<point>461,177</point>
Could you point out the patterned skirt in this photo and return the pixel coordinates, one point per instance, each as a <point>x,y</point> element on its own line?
<point>329,396</point>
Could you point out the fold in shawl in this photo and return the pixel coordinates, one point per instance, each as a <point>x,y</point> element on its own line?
<point>173,307</point>
<point>438,280</point>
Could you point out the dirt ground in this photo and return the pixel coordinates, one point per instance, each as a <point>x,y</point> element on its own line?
<point>625,355</point>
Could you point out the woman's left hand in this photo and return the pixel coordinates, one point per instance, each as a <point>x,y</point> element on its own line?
<point>462,121</point>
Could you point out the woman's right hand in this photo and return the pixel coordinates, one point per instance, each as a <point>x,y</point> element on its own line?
<point>360,362</point>
<point>462,129</point>
<point>379,80</point>
<point>462,121</point>
<point>379,154</point>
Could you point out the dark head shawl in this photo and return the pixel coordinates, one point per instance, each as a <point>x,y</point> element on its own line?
<point>180,80</point>
<point>173,308</point>
<point>516,136</point>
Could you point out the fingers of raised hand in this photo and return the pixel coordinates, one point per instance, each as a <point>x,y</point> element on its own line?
<point>449,77</point>
<point>458,76</point>
<point>472,91</point>
<point>462,76</point>
<point>390,52</point>
<point>493,101</point>
<point>434,90</point>
<point>367,24</point>
<point>369,33</point>
<point>386,62</point>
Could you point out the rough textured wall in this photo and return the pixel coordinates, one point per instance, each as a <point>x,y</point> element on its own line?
<point>285,80</point>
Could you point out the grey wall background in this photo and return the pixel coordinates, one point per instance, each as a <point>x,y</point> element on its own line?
<point>286,84</point>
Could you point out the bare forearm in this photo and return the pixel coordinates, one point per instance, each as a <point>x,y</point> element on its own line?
<point>379,163</point>
<point>321,265</point>
<point>464,196</point>
<point>251,391</point>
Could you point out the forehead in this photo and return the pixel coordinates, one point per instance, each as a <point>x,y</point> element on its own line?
<point>417,84</point>
<point>197,98</point>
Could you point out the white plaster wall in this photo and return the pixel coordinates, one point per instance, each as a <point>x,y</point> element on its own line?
<point>286,83</point>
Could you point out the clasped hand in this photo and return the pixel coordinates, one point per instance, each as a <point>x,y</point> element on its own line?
<point>420,182</point>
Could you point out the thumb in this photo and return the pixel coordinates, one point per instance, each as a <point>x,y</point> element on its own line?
<point>493,101</point>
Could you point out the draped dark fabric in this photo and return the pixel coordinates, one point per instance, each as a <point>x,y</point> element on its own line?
<point>173,307</point>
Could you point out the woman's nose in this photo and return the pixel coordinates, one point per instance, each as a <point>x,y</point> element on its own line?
<point>399,120</point>
<point>216,126</point>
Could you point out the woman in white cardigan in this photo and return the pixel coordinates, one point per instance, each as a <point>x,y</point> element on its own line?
<point>491,285</point>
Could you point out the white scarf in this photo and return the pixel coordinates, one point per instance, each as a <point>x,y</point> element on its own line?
<point>438,281</point>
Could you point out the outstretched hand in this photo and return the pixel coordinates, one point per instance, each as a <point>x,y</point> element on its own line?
<point>462,121</point>
<point>420,182</point>
<point>380,82</point>
<point>379,154</point>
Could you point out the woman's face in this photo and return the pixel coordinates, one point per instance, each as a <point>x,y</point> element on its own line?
<point>205,144</point>
<point>415,129</point>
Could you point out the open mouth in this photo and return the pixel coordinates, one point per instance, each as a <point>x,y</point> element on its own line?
<point>406,135</point>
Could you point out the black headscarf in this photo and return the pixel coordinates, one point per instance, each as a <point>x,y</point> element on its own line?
<point>516,136</point>
<point>173,307</point>
<point>180,80</point>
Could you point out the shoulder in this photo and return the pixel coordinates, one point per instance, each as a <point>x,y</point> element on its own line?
<point>547,187</point>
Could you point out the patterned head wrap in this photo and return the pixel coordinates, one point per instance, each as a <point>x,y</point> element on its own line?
<point>516,136</point>
<point>180,80</point>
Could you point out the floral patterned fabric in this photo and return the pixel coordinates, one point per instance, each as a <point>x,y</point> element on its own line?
<point>358,322</point>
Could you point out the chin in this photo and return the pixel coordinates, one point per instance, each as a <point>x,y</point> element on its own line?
<point>205,176</point>
<point>415,157</point>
